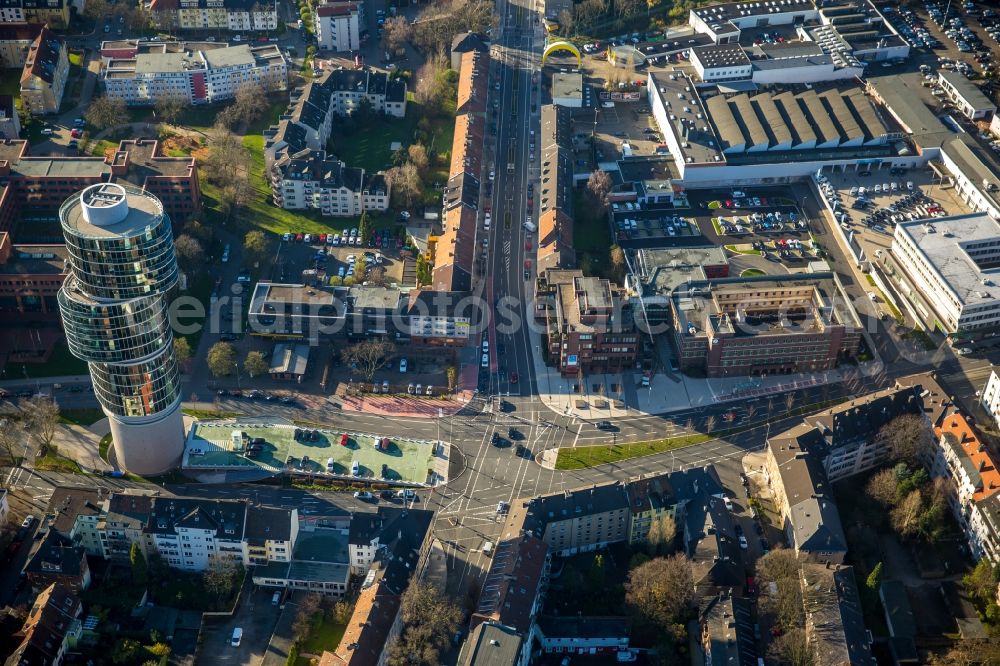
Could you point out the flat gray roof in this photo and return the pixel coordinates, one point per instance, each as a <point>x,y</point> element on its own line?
<point>945,242</point>
<point>967,90</point>
<point>901,93</point>
<point>567,85</point>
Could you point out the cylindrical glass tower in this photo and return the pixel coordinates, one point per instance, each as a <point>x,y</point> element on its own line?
<point>114,311</point>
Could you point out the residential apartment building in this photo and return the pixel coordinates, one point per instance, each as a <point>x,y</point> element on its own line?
<point>555,212</point>
<point>809,514</point>
<point>492,644</point>
<point>315,562</point>
<point>439,318</point>
<point>58,560</point>
<point>764,325</point>
<point>588,325</point>
<point>726,630</point>
<point>10,123</point>
<point>376,622</point>
<point>55,13</point>
<point>76,514</point>
<point>990,397</point>
<point>15,40</point>
<point>231,15</point>
<point>513,591</point>
<point>454,249</point>
<point>335,25</point>
<point>51,628</point>
<point>309,180</point>
<point>43,79</point>
<point>196,72</point>
<point>962,458</point>
<point>835,625</point>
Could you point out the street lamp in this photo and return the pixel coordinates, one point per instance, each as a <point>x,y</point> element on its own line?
<point>239,383</point>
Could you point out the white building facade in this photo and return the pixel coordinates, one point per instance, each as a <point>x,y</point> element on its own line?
<point>196,76</point>
<point>336,26</point>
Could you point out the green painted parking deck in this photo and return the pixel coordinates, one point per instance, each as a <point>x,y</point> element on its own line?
<point>210,446</point>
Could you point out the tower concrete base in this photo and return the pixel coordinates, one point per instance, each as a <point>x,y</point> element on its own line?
<point>150,445</point>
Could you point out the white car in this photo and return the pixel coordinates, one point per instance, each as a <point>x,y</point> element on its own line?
<point>402,365</point>
<point>743,542</point>
<point>486,345</point>
<point>363,495</point>
<point>485,361</point>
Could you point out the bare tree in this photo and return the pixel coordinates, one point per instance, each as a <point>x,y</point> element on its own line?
<point>618,263</point>
<point>10,439</point>
<point>661,590</point>
<point>308,608</point>
<point>908,438</point>
<point>395,32</point>
<point>710,422</point>
<point>417,156</point>
<point>905,517</point>
<point>662,533</point>
<point>405,184</point>
<point>567,22</point>
<point>435,89</point>
<point>42,415</point>
<point>368,357</point>
<point>751,409</point>
<point>222,576</point>
<point>255,246</point>
<point>105,112</point>
<point>789,401</point>
<point>169,106</point>
<point>227,168</point>
<point>779,573</point>
<point>430,618</point>
<point>881,487</point>
<point>190,254</point>
<point>599,185</point>
<point>790,649</point>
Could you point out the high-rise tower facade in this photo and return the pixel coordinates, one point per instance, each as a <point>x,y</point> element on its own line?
<point>114,310</point>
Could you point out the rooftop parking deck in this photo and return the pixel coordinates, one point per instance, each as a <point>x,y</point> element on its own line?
<point>210,446</point>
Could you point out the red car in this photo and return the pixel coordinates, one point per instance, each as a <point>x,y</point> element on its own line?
<point>729,203</point>
<point>322,238</point>
<point>751,588</point>
<point>343,440</point>
<point>76,133</point>
<point>299,237</point>
<point>487,209</point>
<point>513,378</point>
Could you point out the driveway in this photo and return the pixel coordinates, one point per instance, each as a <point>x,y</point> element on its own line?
<point>255,615</point>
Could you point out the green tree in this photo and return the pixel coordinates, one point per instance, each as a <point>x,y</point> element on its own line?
<point>981,584</point>
<point>105,112</point>
<point>221,359</point>
<point>255,246</point>
<point>255,364</point>
<point>182,350</point>
<point>364,227</point>
<point>874,578</point>
<point>125,651</point>
<point>596,575</point>
<point>140,573</point>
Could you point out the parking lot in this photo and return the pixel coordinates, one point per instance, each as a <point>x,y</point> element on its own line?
<point>255,615</point>
<point>318,451</point>
<point>335,262</point>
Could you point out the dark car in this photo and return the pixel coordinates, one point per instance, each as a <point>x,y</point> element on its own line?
<point>523,451</point>
<point>603,425</point>
<point>495,440</point>
<point>513,433</point>
<point>387,495</point>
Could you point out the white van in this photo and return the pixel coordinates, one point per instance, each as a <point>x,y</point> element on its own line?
<point>329,465</point>
<point>276,599</point>
<point>237,637</point>
<point>355,468</point>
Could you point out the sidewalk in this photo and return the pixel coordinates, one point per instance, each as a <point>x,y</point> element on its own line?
<point>667,392</point>
<point>82,444</point>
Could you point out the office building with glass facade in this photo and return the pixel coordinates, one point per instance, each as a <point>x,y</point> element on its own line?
<point>114,311</point>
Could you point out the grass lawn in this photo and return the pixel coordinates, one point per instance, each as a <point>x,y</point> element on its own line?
<point>369,147</point>
<point>61,363</point>
<point>209,415</point>
<point>103,447</point>
<point>752,272</point>
<point>82,417</point>
<point>714,205</point>
<point>591,237</point>
<point>717,226</point>
<point>600,454</point>
<point>56,463</point>
<point>736,250</point>
<point>588,456</point>
<point>324,636</point>
<point>10,82</point>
